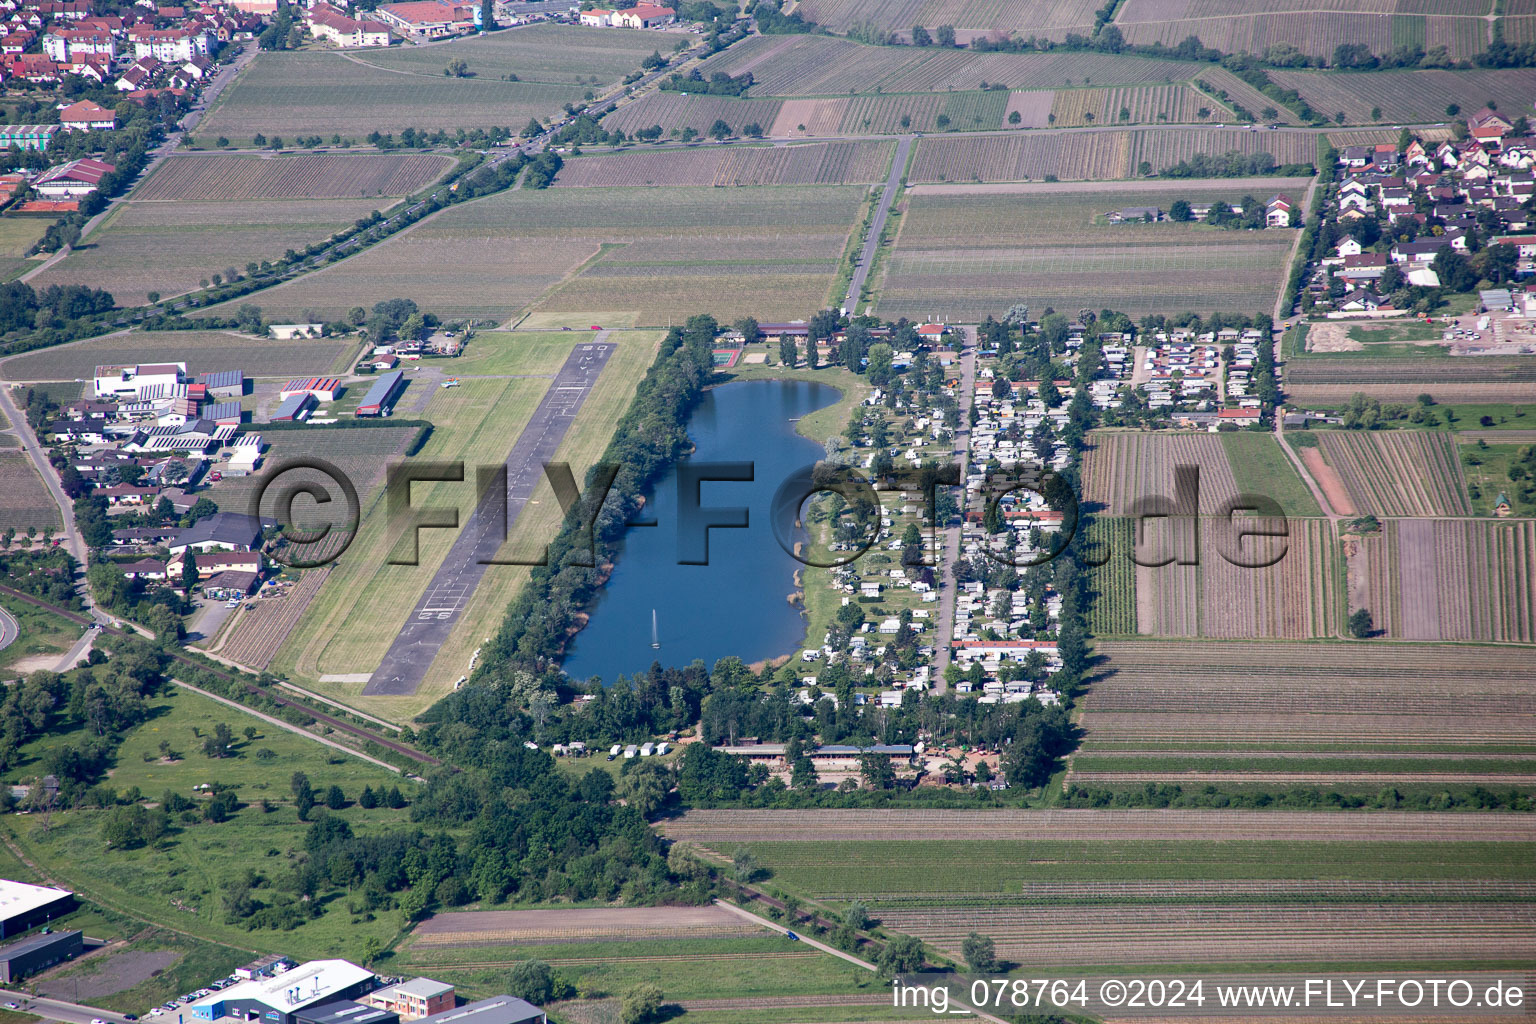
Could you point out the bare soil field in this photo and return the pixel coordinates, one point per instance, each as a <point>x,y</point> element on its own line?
<point>110,974</point>
<point>526,927</point>
<point>298,176</point>
<point>722,828</point>
<point>1328,479</point>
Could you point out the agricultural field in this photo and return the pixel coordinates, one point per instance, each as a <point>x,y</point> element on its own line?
<point>358,452</point>
<point>725,829</point>
<point>1124,467</point>
<point>202,351</point>
<point>1336,933</point>
<point>1322,382</point>
<point>527,927</point>
<point>1398,473</point>
<point>812,65</point>
<point>1095,155</point>
<point>24,499</point>
<point>1267,711</point>
<point>1113,611</point>
<point>963,253</point>
<point>619,256</point>
<point>161,247</point>
<point>17,234</point>
<point>1425,579</point>
<point>548,53</point>
<point>291,93</point>
<point>264,624</point>
<point>1261,467</point>
<point>1314,28</point>
<point>674,111</point>
<point>823,163</point>
<point>1136,104</point>
<point>970,18</point>
<point>1409,95</point>
<point>299,176</point>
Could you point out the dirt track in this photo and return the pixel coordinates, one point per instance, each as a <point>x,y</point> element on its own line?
<point>1328,479</point>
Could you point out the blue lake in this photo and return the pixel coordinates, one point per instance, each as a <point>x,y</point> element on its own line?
<point>738,604</point>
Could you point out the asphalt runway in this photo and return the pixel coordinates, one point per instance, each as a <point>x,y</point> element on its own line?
<point>435,615</point>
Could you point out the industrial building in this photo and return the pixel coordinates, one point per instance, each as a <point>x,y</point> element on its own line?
<point>38,953</point>
<point>495,1010</point>
<point>282,999</point>
<point>380,399</point>
<point>24,906</point>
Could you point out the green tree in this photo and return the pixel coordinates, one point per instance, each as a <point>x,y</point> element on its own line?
<point>945,34</point>
<point>1360,624</point>
<point>533,980</point>
<point>901,955</point>
<point>640,1004</point>
<point>980,953</point>
<point>335,799</point>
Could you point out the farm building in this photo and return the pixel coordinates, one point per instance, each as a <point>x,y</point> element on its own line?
<point>413,999</point>
<point>325,389</point>
<point>118,381</point>
<point>24,906</point>
<point>224,383</point>
<point>28,136</point>
<point>284,998</point>
<point>221,587</point>
<point>36,954</point>
<point>295,408</point>
<point>380,399</point>
<point>224,413</point>
<point>73,180</point>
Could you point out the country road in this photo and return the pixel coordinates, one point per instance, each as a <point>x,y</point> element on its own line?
<point>877,225</point>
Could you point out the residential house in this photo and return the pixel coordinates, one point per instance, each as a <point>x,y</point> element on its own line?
<point>1488,125</point>
<point>173,45</point>
<point>86,116</point>
<point>1277,212</point>
<point>325,22</point>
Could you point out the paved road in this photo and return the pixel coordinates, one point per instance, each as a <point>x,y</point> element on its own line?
<point>877,224</point>
<point>947,586</point>
<point>9,629</point>
<point>59,1009</point>
<point>411,654</point>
